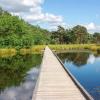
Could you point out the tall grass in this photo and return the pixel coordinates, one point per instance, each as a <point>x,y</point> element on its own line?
<point>92,47</point>
<point>7,52</point>
<point>38,49</point>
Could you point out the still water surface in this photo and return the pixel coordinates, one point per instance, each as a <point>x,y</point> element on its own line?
<point>18,75</point>
<point>85,66</point>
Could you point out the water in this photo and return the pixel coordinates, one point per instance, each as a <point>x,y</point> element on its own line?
<point>18,76</point>
<point>85,66</point>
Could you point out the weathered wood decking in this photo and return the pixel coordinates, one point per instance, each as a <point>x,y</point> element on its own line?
<point>54,83</point>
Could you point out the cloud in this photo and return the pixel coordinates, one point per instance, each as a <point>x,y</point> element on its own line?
<point>53,26</point>
<point>91,59</point>
<point>44,17</point>
<point>31,11</point>
<point>92,27</point>
<point>24,91</point>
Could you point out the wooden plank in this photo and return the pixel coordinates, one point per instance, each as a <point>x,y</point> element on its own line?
<point>54,83</point>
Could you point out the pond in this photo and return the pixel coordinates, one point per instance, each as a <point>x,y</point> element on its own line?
<point>18,76</point>
<point>85,66</point>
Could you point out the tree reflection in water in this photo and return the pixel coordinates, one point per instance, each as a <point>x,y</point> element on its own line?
<point>85,67</point>
<point>77,58</point>
<point>18,75</point>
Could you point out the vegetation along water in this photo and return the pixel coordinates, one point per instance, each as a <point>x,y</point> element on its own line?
<point>18,75</point>
<point>21,49</point>
<point>85,66</point>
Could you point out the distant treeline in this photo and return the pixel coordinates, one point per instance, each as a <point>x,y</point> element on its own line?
<point>75,35</point>
<point>15,32</point>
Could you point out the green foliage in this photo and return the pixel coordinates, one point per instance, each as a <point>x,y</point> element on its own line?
<point>76,35</point>
<point>77,57</point>
<point>80,33</point>
<point>15,32</point>
<point>64,47</point>
<point>13,69</point>
<point>97,37</point>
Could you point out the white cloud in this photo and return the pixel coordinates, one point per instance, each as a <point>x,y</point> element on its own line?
<point>24,91</point>
<point>44,17</point>
<point>91,59</point>
<point>54,25</point>
<point>92,27</point>
<point>33,3</point>
<point>31,11</point>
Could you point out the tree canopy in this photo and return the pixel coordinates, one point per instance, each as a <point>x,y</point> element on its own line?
<point>15,32</point>
<point>75,35</point>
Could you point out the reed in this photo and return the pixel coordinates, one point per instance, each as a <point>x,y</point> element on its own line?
<point>38,49</point>
<point>92,47</point>
<point>7,52</point>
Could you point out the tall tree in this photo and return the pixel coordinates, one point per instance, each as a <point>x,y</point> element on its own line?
<point>69,36</point>
<point>1,11</point>
<point>80,32</point>
<point>61,32</point>
<point>15,32</point>
<point>97,37</point>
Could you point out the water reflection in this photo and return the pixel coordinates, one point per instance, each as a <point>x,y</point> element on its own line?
<point>91,59</point>
<point>77,58</point>
<point>85,66</point>
<point>18,76</point>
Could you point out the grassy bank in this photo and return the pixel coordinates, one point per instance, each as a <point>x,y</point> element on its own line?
<point>37,49</point>
<point>92,47</point>
<point>7,52</point>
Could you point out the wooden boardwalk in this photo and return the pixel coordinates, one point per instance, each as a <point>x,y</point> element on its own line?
<point>54,83</point>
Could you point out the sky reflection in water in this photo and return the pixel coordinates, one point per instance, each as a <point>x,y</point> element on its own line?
<point>18,75</point>
<point>85,66</point>
<point>25,90</point>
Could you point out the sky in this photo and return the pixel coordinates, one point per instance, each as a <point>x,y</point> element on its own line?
<point>51,13</point>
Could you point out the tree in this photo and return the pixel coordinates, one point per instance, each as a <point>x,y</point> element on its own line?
<point>1,11</point>
<point>61,33</point>
<point>15,32</point>
<point>80,32</point>
<point>54,37</point>
<point>69,36</point>
<point>97,37</point>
